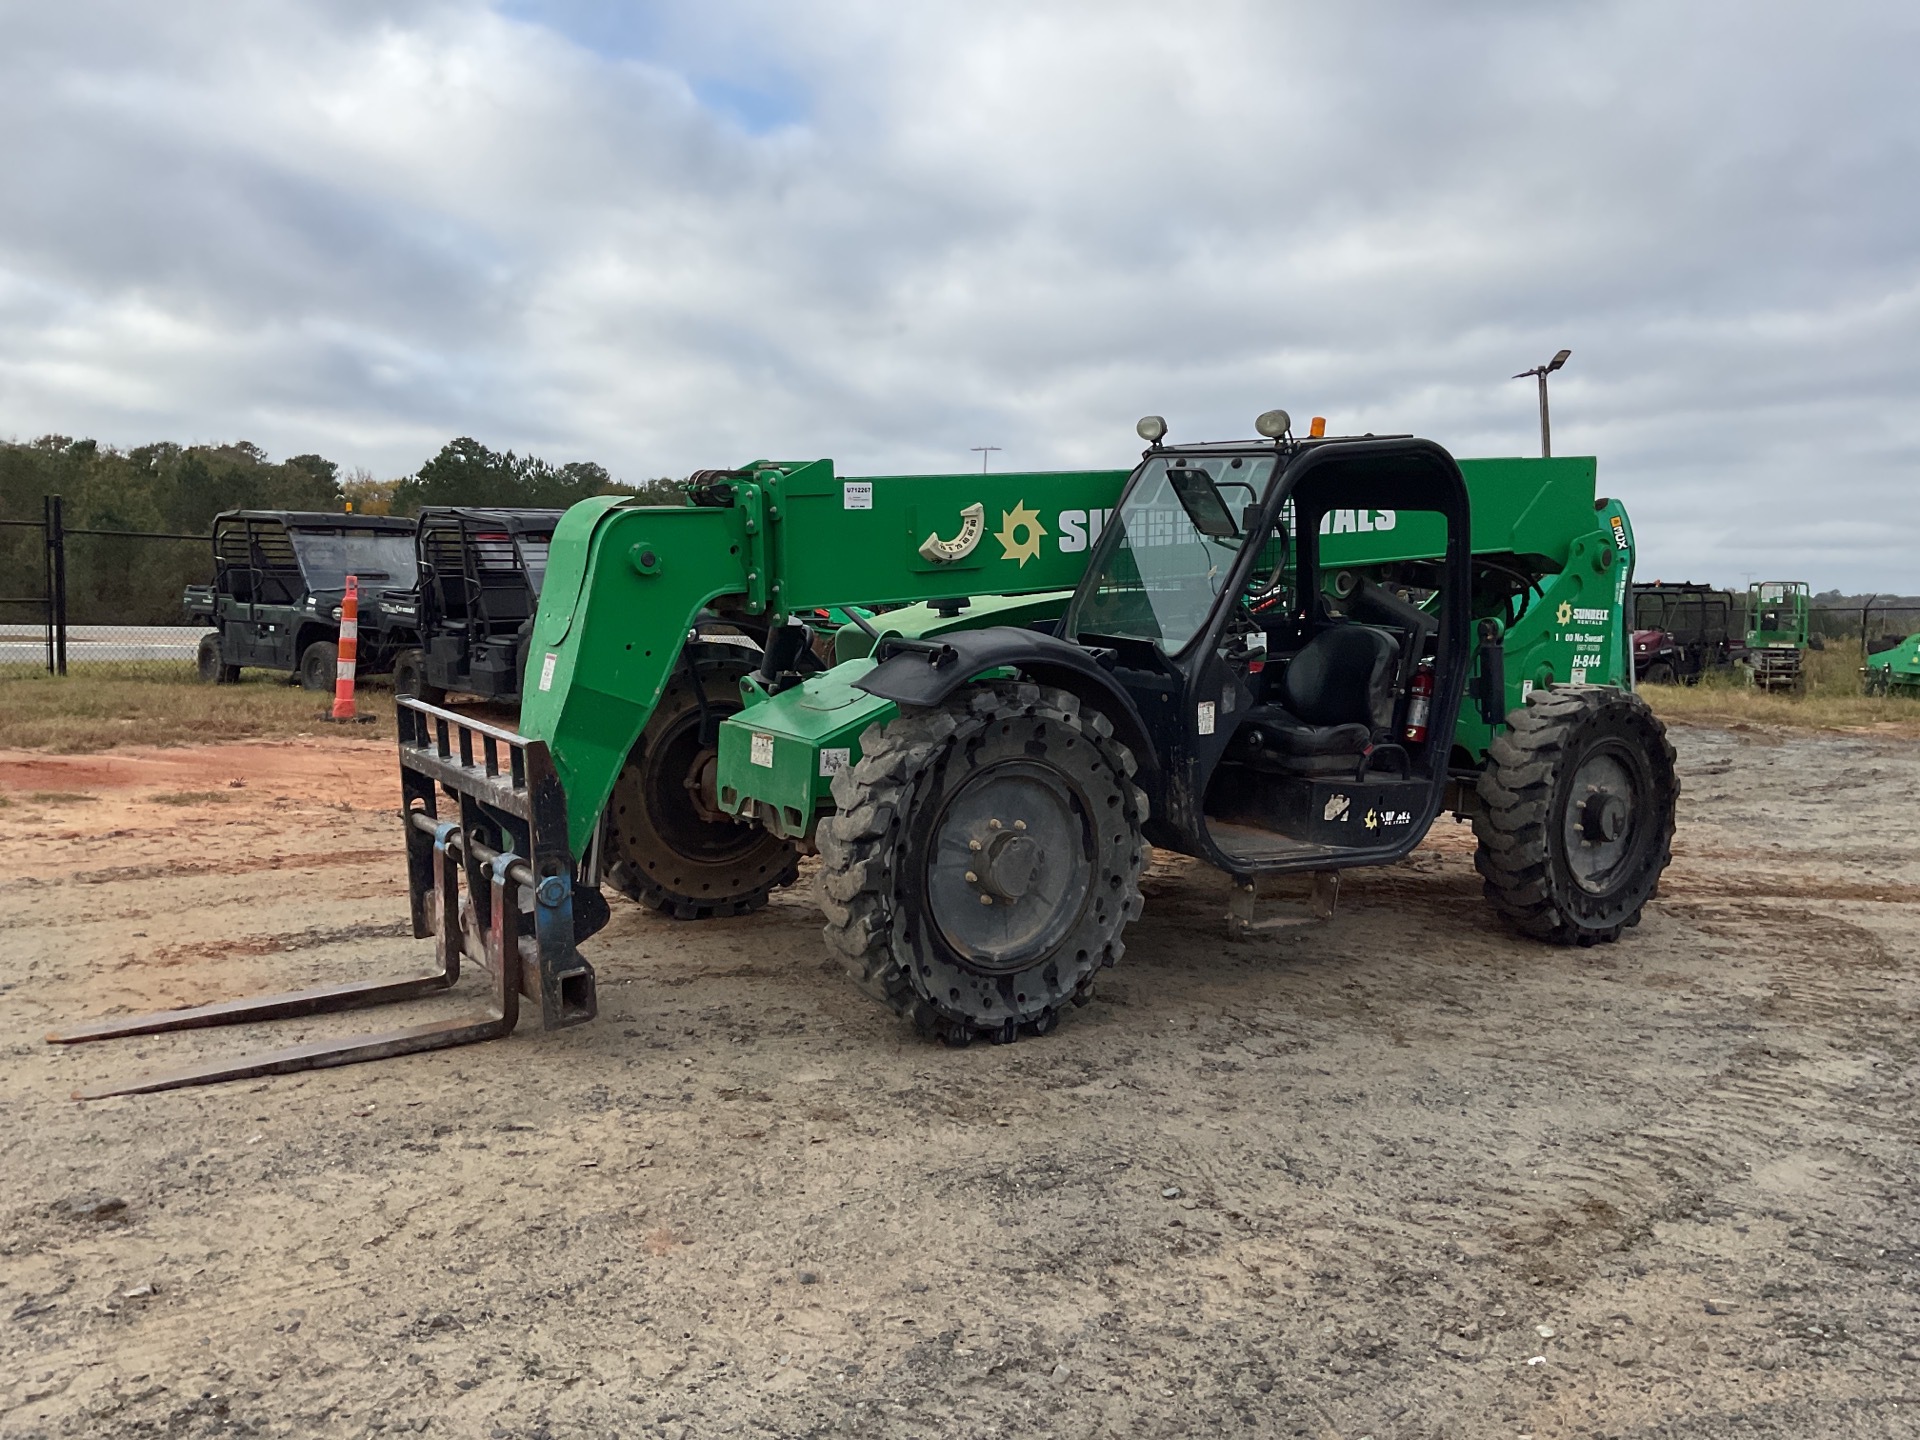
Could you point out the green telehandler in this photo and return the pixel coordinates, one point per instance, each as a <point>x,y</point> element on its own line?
<point>1284,656</point>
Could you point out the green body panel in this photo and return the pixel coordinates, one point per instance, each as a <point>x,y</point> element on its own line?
<point>779,755</point>
<point>609,631</point>
<point>1575,631</point>
<point>1520,507</point>
<point>1900,666</point>
<point>842,538</point>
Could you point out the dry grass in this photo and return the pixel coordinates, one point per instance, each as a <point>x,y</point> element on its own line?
<point>80,713</point>
<point>1830,700</point>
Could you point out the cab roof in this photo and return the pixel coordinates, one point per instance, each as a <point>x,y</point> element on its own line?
<point>321,519</point>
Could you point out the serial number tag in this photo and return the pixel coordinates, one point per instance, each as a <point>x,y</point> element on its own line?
<point>835,762</point>
<point>856,495</point>
<point>1206,717</point>
<point>546,670</point>
<point>762,752</point>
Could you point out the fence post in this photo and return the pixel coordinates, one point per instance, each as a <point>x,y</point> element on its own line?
<point>55,534</point>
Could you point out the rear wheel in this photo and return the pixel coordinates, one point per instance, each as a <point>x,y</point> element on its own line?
<point>1575,821</point>
<point>669,845</point>
<point>213,669</point>
<point>984,861</point>
<point>319,665</point>
<point>410,678</point>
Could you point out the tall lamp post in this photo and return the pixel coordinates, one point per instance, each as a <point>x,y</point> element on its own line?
<point>1546,432</point>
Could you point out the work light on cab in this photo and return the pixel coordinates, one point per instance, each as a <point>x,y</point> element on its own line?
<point>1151,429</point>
<point>1274,424</point>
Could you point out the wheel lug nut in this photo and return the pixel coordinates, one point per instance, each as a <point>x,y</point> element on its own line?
<point>993,824</point>
<point>972,879</point>
<point>1019,824</point>
<point>973,844</point>
<point>986,899</point>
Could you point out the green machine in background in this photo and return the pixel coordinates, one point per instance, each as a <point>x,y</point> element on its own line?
<point>1777,632</point>
<point>1895,671</point>
<point>1284,656</point>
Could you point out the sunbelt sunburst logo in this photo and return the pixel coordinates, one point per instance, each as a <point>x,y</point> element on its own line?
<point>1569,614</point>
<point>1020,533</point>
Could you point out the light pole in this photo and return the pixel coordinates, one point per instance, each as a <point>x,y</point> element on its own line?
<point>1546,432</point>
<point>983,451</point>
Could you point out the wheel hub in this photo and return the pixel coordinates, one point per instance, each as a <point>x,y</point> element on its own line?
<point>1603,817</point>
<point>703,788</point>
<point>1003,890</point>
<point>1010,864</point>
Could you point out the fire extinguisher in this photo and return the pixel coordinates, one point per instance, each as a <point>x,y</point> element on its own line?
<point>1420,702</point>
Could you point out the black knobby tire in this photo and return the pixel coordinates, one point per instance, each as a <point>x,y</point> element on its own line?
<point>410,678</point>
<point>668,846</point>
<point>319,665</point>
<point>1658,673</point>
<point>919,839</point>
<point>214,670</point>
<point>1575,820</point>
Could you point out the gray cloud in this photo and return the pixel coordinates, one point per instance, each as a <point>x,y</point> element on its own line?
<point>722,231</point>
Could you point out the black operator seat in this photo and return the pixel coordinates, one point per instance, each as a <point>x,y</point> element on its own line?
<point>1335,696</point>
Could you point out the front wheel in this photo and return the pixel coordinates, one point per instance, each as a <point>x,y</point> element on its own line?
<point>984,860</point>
<point>212,667</point>
<point>1575,820</point>
<point>669,845</point>
<point>410,678</point>
<point>319,665</point>
<point>1658,673</point>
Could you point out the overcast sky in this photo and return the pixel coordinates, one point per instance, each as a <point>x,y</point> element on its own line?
<point>672,236</point>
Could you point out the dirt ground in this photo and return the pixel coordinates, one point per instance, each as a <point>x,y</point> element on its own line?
<point>1402,1175</point>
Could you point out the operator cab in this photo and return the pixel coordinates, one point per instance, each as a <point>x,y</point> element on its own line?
<point>1298,680</point>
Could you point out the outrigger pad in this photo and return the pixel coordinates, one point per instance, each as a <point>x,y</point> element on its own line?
<point>516,921</point>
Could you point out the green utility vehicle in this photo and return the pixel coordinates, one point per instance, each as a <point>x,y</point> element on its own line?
<point>1777,632</point>
<point>1286,657</point>
<point>1895,671</point>
<point>279,577</point>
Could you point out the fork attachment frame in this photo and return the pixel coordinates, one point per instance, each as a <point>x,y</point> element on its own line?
<point>519,920</point>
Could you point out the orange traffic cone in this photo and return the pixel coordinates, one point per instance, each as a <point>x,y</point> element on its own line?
<point>349,650</point>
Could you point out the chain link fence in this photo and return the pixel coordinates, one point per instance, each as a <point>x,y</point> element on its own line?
<point>1875,624</point>
<point>95,601</point>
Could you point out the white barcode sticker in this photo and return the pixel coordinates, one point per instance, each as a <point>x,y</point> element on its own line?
<point>835,762</point>
<point>1206,717</point>
<point>546,670</point>
<point>856,495</point>
<point>763,750</point>
<point>1579,677</point>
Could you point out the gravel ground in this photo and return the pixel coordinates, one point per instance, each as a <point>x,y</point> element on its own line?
<point>1400,1175</point>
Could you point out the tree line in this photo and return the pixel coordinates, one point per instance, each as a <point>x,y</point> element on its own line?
<point>178,489</point>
